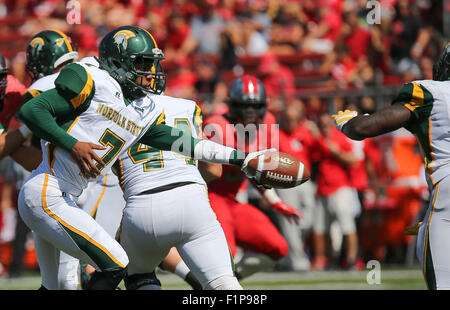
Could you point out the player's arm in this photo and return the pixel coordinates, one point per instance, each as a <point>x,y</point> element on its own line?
<point>167,138</point>
<point>275,202</point>
<point>359,127</point>
<point>74,88</point>
<point>28,156</point>
<point>10,141</point>
<point>412,102</point>
<point>209,171</point>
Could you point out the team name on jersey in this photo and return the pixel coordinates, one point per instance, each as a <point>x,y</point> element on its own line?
<point>119,119</point>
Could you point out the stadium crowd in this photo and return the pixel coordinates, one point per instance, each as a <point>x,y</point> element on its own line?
<point>305,52</point>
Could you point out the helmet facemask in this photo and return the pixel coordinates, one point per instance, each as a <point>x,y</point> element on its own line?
<point>248,111</point>
<point>148,74</point>
<point>138,74</point>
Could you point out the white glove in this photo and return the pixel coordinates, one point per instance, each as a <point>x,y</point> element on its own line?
<point>343,117</point>
<point>256,176</point>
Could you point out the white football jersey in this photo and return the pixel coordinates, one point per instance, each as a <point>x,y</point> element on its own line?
<point>429,102</point>
<point>48,82</point>
<point>108,122</point>
<point>43,84</point>
<point>143,168</point>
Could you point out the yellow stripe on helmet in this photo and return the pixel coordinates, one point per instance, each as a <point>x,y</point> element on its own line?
<point>66,39</point>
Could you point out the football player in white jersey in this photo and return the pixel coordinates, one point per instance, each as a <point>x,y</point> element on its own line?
<point>423,108</point>
<point>111,105</point>
<point>48,52</point>
<point>167,206</point>
<point>103,199</point>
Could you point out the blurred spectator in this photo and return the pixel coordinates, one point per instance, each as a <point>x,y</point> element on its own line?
<point>208,80</point>
<point>426,68</point>
<point>245,39</point>
<point>409,38</point>
<point>336,195</point>
<point>297,137</point>
<point>205,30</point>
<point>181,82</point>
<point>402,183</point>
<point>177,33</point>
<point>287,30</point>
<point>261,21</point>
<point>323,35</point>
<point>353,35</point>
<point>278,79</point>
<point>314,108</point>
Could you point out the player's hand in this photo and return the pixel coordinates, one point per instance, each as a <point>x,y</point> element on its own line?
<point>412,230</point>
<point>84,155</point>
<point>249,157</point>
<point>288,211</point>
<point>343,117</point>
<point>259,186</point>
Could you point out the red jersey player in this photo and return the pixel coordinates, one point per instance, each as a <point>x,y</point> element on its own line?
<point>247,127</point>
<point>11,91</point>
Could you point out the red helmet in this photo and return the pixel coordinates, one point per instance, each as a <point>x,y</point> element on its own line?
<point>247,100</point>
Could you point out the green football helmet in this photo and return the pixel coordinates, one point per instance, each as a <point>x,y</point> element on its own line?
<point>48,50</point>
<point>441,69</point>
<point>132,57</point>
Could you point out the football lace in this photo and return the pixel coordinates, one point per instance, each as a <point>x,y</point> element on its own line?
<point>279,177</point>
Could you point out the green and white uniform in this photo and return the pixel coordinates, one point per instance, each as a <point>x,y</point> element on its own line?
<point>167,206</point>
<point>68,266</point>
<point>97,113</point>
<point>429,103</point>
<point>157,167</point>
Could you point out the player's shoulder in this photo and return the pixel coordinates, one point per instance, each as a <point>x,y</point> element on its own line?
<point>14,85</point>
<point>165,99</point>
<point>44,83</point>
<point>174,104</point>
<point>219,119</point>
<point>426,85</point>
<point>269,118</point>
<point>90,61</point>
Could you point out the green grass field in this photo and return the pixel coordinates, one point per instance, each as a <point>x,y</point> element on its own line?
<point>392,278</point>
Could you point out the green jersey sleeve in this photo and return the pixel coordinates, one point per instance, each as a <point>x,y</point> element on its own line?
<point>416,98</point>
<point>74,89</point>
<point>30,94</point>
<point>40,114</point>
<point>76,85</point>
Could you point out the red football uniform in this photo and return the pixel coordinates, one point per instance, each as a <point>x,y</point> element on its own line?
<point>299,143</point>
<point>243,224</point>
<point>12,102</point>
<point>332,175</point>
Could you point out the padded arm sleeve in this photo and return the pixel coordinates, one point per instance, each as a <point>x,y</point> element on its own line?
<point>167,138</point>
<point>39,115</point>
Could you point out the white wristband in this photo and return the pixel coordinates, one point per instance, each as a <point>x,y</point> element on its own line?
<point>210,151</point>
<point>25,131</point>
<point>271,196</point>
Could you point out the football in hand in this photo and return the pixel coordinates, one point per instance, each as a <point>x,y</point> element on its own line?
<point>279,170</point>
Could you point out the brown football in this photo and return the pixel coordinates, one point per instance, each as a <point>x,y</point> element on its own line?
<point>279,170</point>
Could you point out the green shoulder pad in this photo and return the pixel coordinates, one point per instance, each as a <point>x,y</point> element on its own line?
<point>75,84</point>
